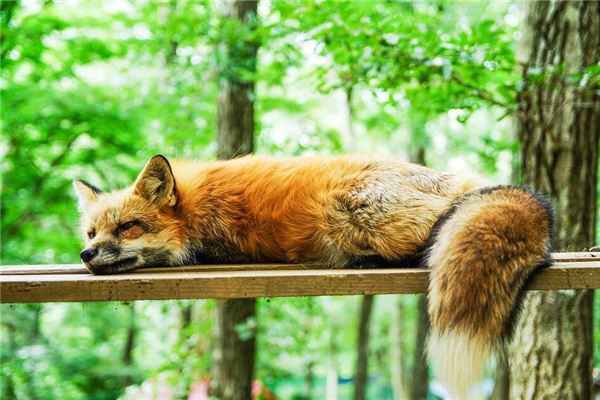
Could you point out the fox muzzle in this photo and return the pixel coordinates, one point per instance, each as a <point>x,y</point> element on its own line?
<point>88,254</point>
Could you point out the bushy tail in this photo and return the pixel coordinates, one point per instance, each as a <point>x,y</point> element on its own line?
<point>482,253</point>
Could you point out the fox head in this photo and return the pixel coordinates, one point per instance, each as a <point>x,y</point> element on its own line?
<point>133,227</point>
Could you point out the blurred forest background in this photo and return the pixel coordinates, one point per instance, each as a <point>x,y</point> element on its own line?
<point>91,89</point>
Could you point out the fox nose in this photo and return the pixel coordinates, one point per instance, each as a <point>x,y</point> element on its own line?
<point>87,254</point>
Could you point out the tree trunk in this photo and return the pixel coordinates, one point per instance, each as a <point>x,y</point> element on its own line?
<point>559,128</point>
<point>362,348</point>
<point>235,328</point>
<point>398,352</point>
<point>235,112</point>
<point>331,386</point>
<point>127,357</point>
<point>234,354</point>
<point>419,385</point>
<point>350,140</point>
<point>502,379</point>
<point>418,136</point>
<point>420,373</point>
<point>185,315</point>
<point>309,376</point>
<point>235,115</point>
<point>309,379</point>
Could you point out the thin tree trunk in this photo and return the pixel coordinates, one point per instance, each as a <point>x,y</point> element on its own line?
<point>331,389</point>
<point>34,339</point>
<point>362,348</point>
<point>234,354</point>
<point>418,138</point>
<point>350,143</point>
<point>8,390</point>
<point>235,112</point>
<point>419,385</point>
<point>235,328</point>
<point>127,357</point>
<point>167,15</point>
<point>309,380</point>
<point>309,376</point>
<point>559,128</point>
<point>420,373</point>
<point>35,327</point>
<point>398,352</point>
<point>235,115</point>
<point>185,319</point>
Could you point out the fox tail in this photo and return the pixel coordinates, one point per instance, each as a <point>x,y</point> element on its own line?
<point>482,253</point>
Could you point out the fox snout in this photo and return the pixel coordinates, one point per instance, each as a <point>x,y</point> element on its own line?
<point>107,258</point>
<point>88,254</point>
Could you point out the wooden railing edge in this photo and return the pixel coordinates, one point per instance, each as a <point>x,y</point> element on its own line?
<point>56,283</point>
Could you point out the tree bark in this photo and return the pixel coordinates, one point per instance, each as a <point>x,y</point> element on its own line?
<point>234,349</point>
<point>362,348</point>
<point>350,140</point>
<point>398,352</point>
<point>309,379</point>
<point>185,315</point>
<point>559,129</point>
<point>420,373</point>
<point>127,357</point>
<point>309,376</point>
<point>419,385</point>
<point>235,328</point>
<point>502,379</point>
<point>331,385</point>
<point>419,139</point>
<point>235,112</point>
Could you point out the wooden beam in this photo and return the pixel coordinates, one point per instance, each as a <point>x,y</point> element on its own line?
<point>52,283</point>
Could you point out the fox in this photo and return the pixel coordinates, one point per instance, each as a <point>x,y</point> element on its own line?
<point>482,243</point>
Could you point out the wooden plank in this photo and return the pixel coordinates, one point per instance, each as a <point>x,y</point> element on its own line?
<point>581,256</point>
<point>43,269</point>
<point>177,283</point>
<point>80,269</point>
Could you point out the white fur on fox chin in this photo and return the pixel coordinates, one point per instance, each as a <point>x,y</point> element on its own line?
<point>458,361</point>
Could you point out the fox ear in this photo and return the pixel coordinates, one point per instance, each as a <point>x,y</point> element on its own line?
<point>156,182</point>
<point>86,193</point>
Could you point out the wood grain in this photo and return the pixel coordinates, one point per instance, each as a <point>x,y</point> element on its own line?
<point>52,283</point>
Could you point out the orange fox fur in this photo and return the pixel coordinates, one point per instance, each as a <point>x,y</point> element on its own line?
<point>481,243</point>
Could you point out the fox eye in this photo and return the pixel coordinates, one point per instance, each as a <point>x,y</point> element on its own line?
<point>91,234</point>
<point>127,225</point>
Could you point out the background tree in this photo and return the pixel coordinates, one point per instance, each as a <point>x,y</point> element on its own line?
<point>362,348</point>
<point>398,376</point>
<point>235,326</point>
<point>559,130</point>
<point>420,372</point>
<point>419,384</point>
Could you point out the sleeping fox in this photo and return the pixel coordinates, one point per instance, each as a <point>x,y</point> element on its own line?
<point>481,243</point>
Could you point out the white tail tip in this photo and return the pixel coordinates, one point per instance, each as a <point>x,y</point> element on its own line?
<point>458,361</point>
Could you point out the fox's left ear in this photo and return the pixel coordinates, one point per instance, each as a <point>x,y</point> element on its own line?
<point>86,193</point>
<point>156,182</point>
